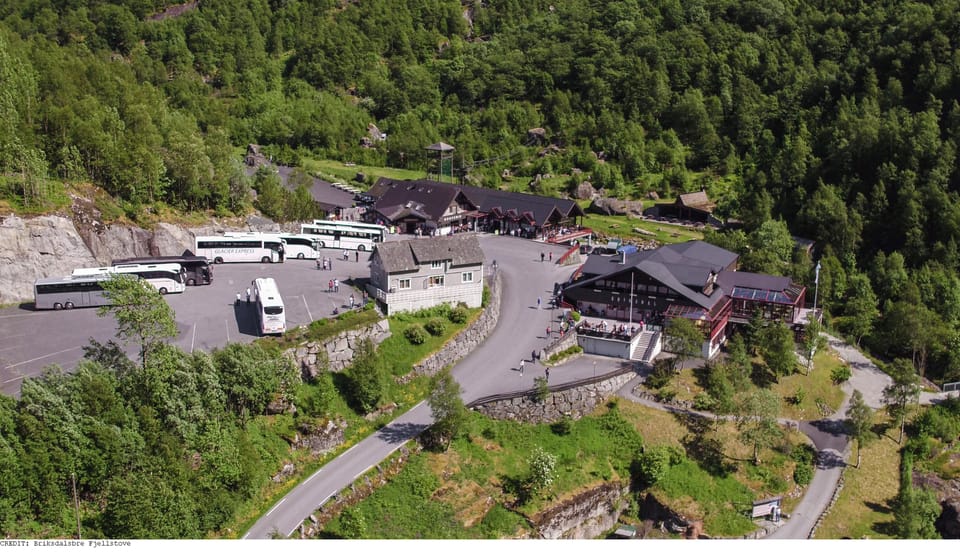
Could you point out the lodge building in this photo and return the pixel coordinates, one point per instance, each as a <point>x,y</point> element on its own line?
<point>693,280</point>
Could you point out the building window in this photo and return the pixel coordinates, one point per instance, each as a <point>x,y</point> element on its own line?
<point>466,277</point>
<point>403,284</point>
<point>435,282</point>
<point>435,265</point>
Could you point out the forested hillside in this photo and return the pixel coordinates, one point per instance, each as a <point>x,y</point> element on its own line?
<point>838,117</point>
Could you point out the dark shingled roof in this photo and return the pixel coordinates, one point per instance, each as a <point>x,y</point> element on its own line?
<point>697,199</point>
<point>423,196</point>
<point>408,255</point>
<point>539,208</point>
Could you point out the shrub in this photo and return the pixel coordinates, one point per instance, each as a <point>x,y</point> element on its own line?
<point>840,374</point>
<point>485,300</point>
<point>563,426</point>
<point>435,327</point>
<point>575,316</point>
<point>458,315</point>
<point>415,334</point>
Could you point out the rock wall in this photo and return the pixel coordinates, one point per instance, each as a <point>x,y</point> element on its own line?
<point>574,401</point>
<point>586,516</point>
<point>468,339</point>
<point>336,353</point>
<point>37,248</point>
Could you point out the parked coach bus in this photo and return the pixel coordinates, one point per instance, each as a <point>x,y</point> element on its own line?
<point>197,270</point>
<point>226,249</point>
<point>167,278</point>
<point>342,234</point>
<point>70,291</point>
<point>269,306</point>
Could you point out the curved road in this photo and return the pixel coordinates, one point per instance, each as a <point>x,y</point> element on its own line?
<point>490,369</point>
<point>493,368</point>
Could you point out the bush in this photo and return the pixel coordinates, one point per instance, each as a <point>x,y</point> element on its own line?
<point>485,300</point>
<point>415,334</point>
<point>840,374</point>
<point>458,315</point>
<point>575,316</point>
<point>435,327</point>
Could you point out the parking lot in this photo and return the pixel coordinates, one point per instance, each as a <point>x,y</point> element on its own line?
<point>207,316</point>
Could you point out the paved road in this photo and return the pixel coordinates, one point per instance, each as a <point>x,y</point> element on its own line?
<point>490,369</point>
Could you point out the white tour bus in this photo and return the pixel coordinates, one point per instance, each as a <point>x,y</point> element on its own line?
<point>342,234</point>
<point>269,306</point>
<point>167,277</point>
<point>240,249</point>
<point>69,292</point>
<point>295,246</point>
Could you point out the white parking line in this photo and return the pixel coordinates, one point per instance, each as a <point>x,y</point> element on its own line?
<point>304,298</point>
<point>42,357</point>
<point>226,324</point>
<point>193,340</point>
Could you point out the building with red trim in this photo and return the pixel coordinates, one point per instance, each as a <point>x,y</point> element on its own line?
<point>693,280</point>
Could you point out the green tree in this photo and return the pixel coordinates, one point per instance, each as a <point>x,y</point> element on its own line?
<point>859,420</point>
<point>771,248</point>
<point>251,377</point>
<point>860,309</point>
<point>813,341</point>
<point>447,408</point>
<point>778,349</point>
<point>141,313</point>
<point>904,390</point>
<point>684,338</point>
<point>757,420</point>
<point>367,377</point>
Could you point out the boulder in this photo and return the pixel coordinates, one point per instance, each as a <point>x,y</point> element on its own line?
<point>948,524</point>
<point>585,191</point>
<point>615,207</point>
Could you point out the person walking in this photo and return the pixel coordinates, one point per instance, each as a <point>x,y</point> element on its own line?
<point>329,286</point>
<point>551,256</point>
<point>238,298</point>
<point>522,361</point>
<point>546,373</point>
<point>533,356</point>
<point>248,296</point>
<point>356,257</point>
<point>548,331</point>
<point>538,302</point>
<point>336,285</point>
<point>541,256</point>
<point>346,255</point>
<point>351,301</point>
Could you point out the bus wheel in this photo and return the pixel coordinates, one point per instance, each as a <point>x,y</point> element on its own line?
<point>265,260</point>
<point>218,260</point>
<point>163,291</point>
<point>57,306</point>
<point>191,282</point>
<point>300,256</point>
<point>361,248</point>
<point>69,305</point>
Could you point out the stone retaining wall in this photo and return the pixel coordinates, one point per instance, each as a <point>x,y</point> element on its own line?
<point>574,402</point>
<point>566,341</point>
<point>586,516</point>
<point>468,339</point>
<point>335,354</point>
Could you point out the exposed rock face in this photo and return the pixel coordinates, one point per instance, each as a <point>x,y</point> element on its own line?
<point>55,245</point>
<point>585,191</point>
<point>320,437</point>
<point>618,207</point>
<point>586,516</point>
<point>669,520</point>
<point>37,248</point>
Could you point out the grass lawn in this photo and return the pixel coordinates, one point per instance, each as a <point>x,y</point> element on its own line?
<point>863,509</point>
<point>815,386</point>
<point>622,227</point>
<point>333,170</point>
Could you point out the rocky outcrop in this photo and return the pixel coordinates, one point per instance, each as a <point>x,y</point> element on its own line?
<point>667,519</point>
<point>320,436</point>
<point>336,353</point>
<point>610,207</point>
<point>585,191</point>
<point>54,245</point>
<point>37,248</point>
<point>585,516</point>
<point>948,494</point>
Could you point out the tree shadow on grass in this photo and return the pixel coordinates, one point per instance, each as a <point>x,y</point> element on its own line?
<point>701,447</point>
<point>761,376</point>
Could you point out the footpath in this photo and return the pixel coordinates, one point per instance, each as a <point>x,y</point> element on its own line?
<point>827,435</point>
